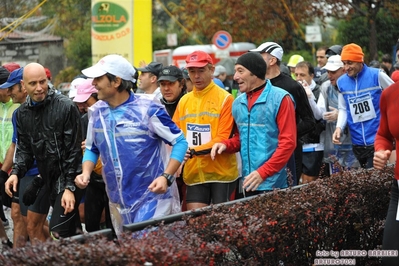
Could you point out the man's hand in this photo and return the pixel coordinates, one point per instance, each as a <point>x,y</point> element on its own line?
<point>337,136</point>
<point>11,183</point>
<point>187,155</point>
<point>68,201</point>
<point>331,116</point>
<point>217,148</point>
<point>252,181</point>
<point>159,185</point>
<point>380,158</point>
<point>32,191</point>
<point>142,64</point>
<point>82,180</point>
<point>83,145</point>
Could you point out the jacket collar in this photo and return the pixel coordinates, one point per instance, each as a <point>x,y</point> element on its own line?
<point>200,93</point>
<point>9,103</point>
<point>48,98</point>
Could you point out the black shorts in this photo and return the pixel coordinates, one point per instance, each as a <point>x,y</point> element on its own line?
<point>42,202</point>
<point>15,195</point>
<point>312,162</point>
<point>210,192</point>
<point>364,154</point>
<point>65,225</point>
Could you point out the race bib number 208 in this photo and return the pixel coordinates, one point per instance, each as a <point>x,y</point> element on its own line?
<point>361,108</point>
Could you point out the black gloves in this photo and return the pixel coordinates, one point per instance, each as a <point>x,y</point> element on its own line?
<point>5,199</point>
<point>32,191</point>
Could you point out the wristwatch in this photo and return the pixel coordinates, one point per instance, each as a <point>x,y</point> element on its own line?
<point>170,178</point>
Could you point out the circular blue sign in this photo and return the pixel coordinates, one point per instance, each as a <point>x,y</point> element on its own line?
<point>222,39</point>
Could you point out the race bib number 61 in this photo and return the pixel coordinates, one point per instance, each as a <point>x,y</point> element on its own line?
<point>198,134</point>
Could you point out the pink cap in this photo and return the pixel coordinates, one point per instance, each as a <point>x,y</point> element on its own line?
<point>85,90</point>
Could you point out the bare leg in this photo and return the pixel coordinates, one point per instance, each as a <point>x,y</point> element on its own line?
<point>82,212</point>
<point>46,229</point>
<point>20,233</point>
<point>195,205</point>
<point>308,178</point>
<point>35,226</point>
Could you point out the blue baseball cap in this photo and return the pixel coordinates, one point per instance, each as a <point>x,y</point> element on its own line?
<point>14,78</point>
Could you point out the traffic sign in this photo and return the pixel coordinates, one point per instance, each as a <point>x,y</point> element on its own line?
<point>222,39</point>
<point>171,39</point>
<point>313,34</point>
<point>220,54</point>
<point>313,29</point>
<point>309,38</point>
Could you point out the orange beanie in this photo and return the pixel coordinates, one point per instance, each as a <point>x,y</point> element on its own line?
<point>352,52</point>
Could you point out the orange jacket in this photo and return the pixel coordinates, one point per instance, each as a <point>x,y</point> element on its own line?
<point>205,118</point>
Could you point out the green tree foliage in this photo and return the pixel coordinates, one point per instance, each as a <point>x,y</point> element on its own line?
<point>283,21</point>
<point>248,21</point>
<point>254,21</point>
<point>78,48</point>
<point>163,23</point>
<point>365,22</point>
<point>357,30</point>
<point>16,8</point>
<point>73,23</point>
<point>71,16</point>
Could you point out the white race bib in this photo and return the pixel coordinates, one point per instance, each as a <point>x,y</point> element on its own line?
<point>361,108</point>
<point>198,134</point>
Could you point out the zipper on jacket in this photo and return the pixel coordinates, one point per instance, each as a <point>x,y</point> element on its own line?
<point>3,137</point>
<point>248,140</point>
<point>59,164</point>
<point>361,123</point>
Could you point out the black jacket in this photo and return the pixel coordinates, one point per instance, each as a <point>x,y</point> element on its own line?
<point>171,106</point>
<point>304,115</point>
<point>49,132</point>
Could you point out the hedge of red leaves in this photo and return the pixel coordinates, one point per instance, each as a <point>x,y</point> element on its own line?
<point>343,212</point>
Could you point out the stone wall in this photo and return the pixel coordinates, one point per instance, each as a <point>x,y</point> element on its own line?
<point>48,53</point>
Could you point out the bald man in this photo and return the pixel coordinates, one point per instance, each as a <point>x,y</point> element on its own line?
<point>48,130</point>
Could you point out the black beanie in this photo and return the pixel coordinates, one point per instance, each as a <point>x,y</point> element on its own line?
<point>3,74</point>
<point>254,62</point>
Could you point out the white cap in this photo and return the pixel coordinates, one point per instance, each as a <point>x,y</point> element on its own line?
<point>271,48</point>
<point>334,63</point>
<point>72,92</point>
<point>219,70</point>
<point>113,64</point>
